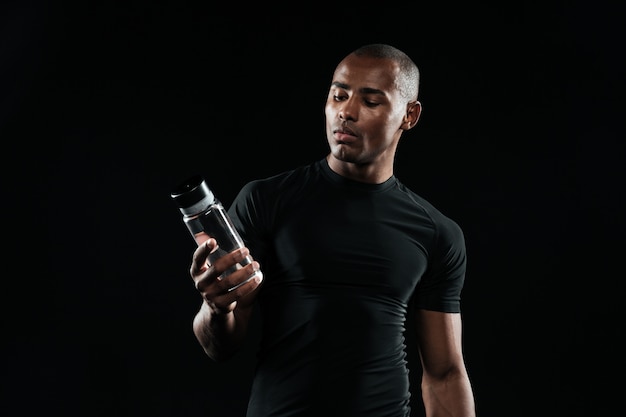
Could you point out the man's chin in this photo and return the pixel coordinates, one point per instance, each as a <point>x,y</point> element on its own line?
<point>342,153</point>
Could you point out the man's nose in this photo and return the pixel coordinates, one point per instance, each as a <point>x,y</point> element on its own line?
<point>348,110</point>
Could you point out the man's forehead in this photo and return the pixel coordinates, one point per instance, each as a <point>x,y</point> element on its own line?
<point>366,72</point>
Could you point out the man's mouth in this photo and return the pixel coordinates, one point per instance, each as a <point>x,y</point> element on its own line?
<point>343,135</point>
<point>344,131</point>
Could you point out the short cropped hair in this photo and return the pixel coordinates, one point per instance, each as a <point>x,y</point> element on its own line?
<point>408,84</point>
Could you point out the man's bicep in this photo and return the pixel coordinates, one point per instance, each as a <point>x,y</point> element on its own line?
<point>439,340</point>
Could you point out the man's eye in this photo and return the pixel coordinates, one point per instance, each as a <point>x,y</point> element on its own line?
<point>371,103</point>
<point>338,97</point>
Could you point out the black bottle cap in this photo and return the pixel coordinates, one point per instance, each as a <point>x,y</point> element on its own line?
<point>193,195</point>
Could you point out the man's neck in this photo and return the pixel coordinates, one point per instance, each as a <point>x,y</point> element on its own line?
<point>368,173</point>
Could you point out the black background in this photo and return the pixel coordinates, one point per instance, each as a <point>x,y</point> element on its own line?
<point>105,106</point>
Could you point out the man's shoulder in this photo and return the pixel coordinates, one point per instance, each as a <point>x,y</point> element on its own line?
<point>429,209</point>
<point>286,177</point>
<point>280,184</point>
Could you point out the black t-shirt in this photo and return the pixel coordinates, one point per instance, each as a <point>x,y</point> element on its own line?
<point>341,261</point>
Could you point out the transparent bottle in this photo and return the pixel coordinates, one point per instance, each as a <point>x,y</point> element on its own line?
<point>205,215</point>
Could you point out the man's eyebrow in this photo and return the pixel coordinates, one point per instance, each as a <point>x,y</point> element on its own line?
<point>364,90</point>
<point>368,90</point>
<point>340,85</point>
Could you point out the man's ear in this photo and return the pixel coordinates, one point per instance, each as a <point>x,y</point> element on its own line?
<point>413,112</point>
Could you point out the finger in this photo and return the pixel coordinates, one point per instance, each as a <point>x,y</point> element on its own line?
<point>250,273</point>
<point>253,275</point>
<point>201,237</point>
<point>230,260</point>
<point>201,255</point>
<point>225,298</point>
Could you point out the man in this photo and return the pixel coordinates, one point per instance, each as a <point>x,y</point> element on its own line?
<point>347,251</point>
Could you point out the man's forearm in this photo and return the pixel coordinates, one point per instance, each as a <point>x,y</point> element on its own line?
<point>218,334</point>
<point>449,398</point>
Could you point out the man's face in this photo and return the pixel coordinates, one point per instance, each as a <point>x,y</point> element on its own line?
<point>364,110</point>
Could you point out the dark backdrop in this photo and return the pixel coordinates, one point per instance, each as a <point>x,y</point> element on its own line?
<point>105,106</point>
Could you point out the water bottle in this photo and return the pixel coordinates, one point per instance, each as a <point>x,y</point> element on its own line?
<point>205,214</point>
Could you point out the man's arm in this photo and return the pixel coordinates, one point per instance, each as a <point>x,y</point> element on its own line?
<point>221,334</point>
<point>221,323</point>
<point>446,388</point>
